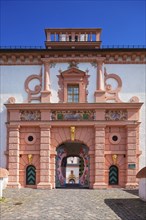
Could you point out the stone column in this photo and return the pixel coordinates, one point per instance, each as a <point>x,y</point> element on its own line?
<point>44,157</point>
<point>131,157</point>
<point>99,157</point>
<point>53,169</point>
<point>99,93</point>
<point>92,168</point>
<point>46,93</point>
<point>13,161</point>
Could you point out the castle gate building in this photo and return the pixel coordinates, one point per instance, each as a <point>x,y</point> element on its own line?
<point>73,114</point>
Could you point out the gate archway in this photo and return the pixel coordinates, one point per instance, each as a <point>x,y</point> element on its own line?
<point>72,174</point>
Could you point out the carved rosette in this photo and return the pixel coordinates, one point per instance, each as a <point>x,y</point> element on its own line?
<point>115,115</point>
<point>30,115</point>
<point>112,93</point>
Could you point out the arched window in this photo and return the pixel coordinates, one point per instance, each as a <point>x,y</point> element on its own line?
<point>113,175</point>
<point>30,175</point>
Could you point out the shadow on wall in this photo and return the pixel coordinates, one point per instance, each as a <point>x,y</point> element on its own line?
<point>128,209</point>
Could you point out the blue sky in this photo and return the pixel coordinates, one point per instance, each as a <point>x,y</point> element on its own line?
<point>123,22</point>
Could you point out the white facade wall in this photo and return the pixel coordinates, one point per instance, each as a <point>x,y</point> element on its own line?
<point>13,78</point>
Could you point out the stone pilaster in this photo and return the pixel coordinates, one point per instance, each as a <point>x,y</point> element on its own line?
<point>13,161</point>
<point>44,157</point>
<point>99,93</point>
<point>99,157</point>
<point>46,93</point>
<point>131,157</point>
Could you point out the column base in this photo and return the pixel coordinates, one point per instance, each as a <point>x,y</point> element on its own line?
<point>99,96</point>
<point>45,96</point>
<point>13,185</point>
<point>42,185</point>
<point>99,186</point>
<point>131,185</point>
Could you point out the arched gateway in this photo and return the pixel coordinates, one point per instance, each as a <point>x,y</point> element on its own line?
<point>71,110</point>
<point>72,165</point>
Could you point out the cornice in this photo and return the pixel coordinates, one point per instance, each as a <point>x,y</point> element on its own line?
<point>107,56</point>
<point>79,106</point>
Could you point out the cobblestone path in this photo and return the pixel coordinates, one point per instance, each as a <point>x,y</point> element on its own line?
<point>72,204</point>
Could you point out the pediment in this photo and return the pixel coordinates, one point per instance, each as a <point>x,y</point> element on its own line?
<point>73,71</point>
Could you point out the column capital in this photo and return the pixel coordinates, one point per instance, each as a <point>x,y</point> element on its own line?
<point>132,126</point>
<point>99,126</point>
<point>100,60</point>
<point>45,60</point>
<point>45,127</point>
<point>13,127</point>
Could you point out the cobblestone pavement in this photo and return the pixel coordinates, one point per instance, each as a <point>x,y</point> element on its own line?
<point>72,204</point>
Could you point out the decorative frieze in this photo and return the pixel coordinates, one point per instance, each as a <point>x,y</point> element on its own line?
<point>116,115</point>
<point>30,115</point>
<point>73,115</point>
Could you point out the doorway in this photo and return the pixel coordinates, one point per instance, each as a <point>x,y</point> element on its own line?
<point>72,166</point>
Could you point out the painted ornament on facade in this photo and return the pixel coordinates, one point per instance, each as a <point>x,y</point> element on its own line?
<point>116,115</point>
<point>28,115</point>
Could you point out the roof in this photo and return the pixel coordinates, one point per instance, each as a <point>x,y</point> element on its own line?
<point>141,173</point>
<point>3,173</point>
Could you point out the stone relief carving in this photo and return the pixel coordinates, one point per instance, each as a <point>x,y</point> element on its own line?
<point>73,115</point>
<point>30,115</point>
<point>116,115</point>
<point>37,89</point>
<point>112,93</point>
<point>73,64</point>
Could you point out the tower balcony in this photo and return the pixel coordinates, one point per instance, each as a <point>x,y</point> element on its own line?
<point>73,38</point>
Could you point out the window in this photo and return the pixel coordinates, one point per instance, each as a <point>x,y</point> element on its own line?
<point>73,93</point>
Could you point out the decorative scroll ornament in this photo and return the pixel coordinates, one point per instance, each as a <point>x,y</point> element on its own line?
<point>72,133</point>
<point>29,158</point>
<point>134,99</point>
<point>114,157</point>
<point>73,115</point>
<point>112,93</point>
<point>28,115</point>
<point>11,100</point>
<point>115,115</point>
<point>37,89</point>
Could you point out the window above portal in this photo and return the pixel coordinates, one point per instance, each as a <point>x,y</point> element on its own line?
<point>73,86</point>
<point>72,93</point>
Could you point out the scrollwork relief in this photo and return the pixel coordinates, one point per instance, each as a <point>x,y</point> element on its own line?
<point>112,93</point>
<point>37,89</point>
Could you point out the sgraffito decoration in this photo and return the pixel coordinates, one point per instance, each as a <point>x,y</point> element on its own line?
<point>30,115</point>
<point>112,93</point>
<point>60,178</point>
<point>63,152</point>
<point>116,115</point>
<point>37,89</point>
<point>73,115</point>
